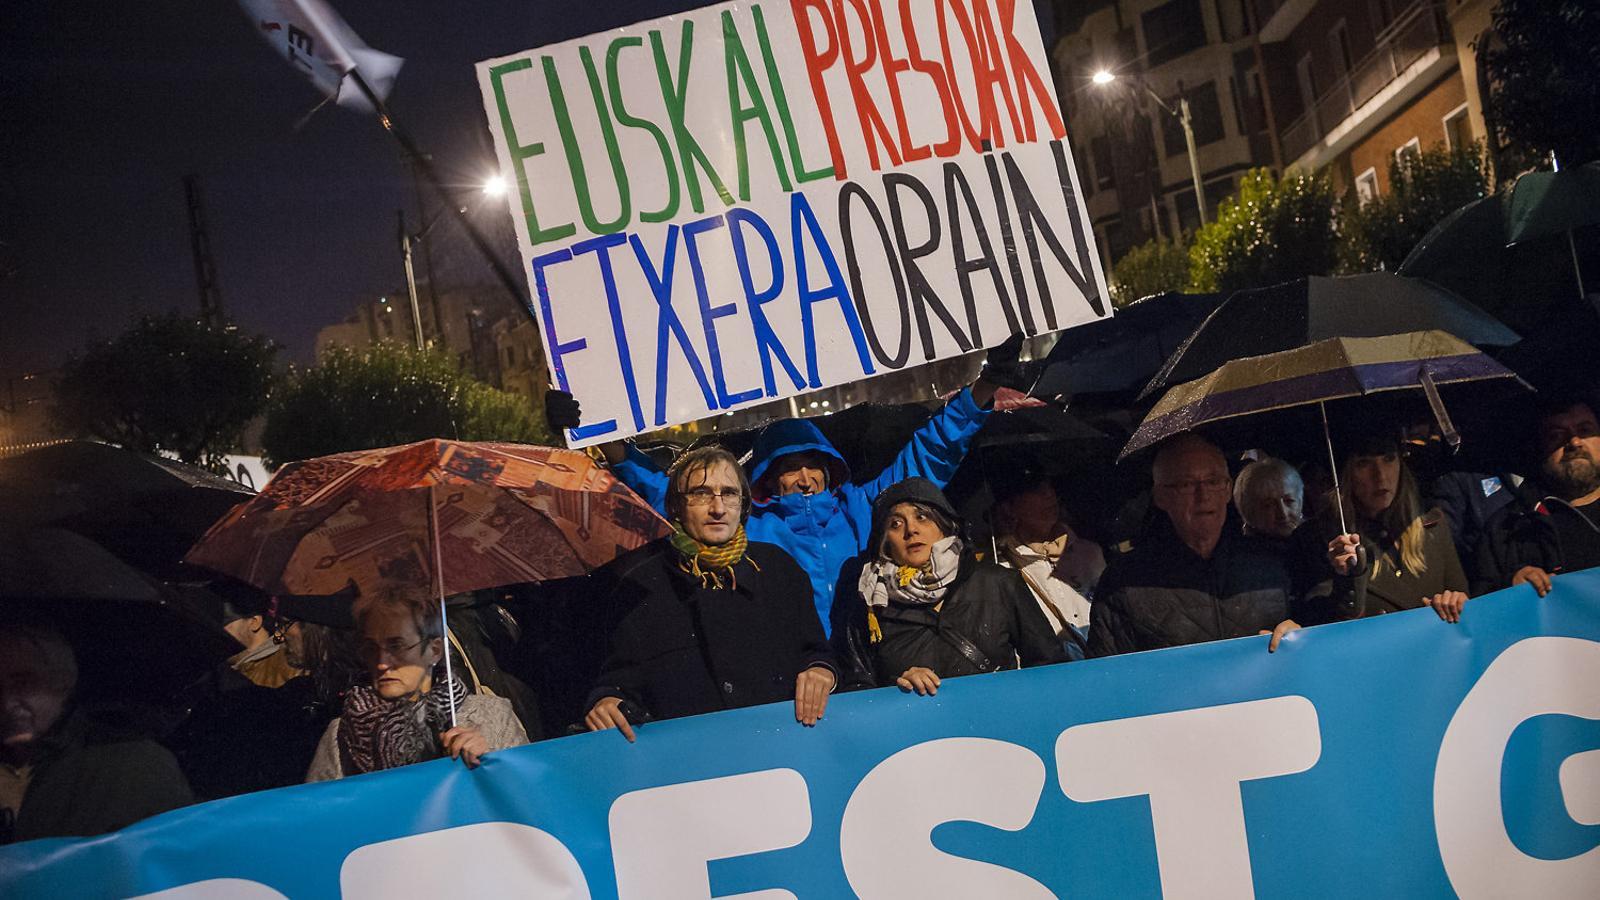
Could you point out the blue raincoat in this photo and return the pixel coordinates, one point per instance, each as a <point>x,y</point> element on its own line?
<point>826,530</point>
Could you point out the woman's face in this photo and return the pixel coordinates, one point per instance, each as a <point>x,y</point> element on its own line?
<point>1374,481</point>
<point>910,534</point>
<point>398,659</point>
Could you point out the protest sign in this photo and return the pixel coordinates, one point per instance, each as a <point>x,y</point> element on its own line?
<point>1396,756</point>
<point>754,200</point>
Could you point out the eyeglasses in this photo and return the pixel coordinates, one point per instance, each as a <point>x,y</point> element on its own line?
<point>1196,485</point>
<point>371,652</point>
<point>702,496</point>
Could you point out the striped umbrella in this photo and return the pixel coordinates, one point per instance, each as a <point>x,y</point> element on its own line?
<point>444,516</point>
<point>1332,369</point>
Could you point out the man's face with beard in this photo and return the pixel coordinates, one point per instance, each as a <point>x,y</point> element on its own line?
<point>1570,444</point>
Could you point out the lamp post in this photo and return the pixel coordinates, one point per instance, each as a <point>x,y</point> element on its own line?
<point>1104,77</point>
<point>494,186</point>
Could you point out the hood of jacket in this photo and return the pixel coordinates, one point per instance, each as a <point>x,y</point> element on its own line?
<point>787,436</point>
<point>911,490</point>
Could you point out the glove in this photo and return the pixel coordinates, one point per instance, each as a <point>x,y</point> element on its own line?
<point>1002,366</point>
<point>561,411</point>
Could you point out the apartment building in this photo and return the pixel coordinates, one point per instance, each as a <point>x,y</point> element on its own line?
<point>1325,85</point>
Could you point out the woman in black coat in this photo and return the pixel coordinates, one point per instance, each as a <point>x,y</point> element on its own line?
<point>926,609</point>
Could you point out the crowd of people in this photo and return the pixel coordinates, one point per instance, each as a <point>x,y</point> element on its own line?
<point>787,578</point>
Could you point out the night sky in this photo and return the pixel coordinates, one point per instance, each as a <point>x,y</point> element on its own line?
<point>105,106</point>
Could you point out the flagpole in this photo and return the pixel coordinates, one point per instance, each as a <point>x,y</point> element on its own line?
<point>425,166</point>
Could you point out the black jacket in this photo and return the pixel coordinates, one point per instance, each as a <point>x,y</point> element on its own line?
<point>680,649</point>
<point>1521,534</point>
<point>89,779</point>
<point>988,605</point>
<point>1162,594</point>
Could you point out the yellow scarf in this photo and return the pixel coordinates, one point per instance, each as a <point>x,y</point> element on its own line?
<point>706,562</point>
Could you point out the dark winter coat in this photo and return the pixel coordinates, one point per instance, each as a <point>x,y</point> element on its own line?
<point>988,605</point>
<point>1162,594</point>
<point>824,532</point>
<point>89,779</point>
<point>1383,585</point>
<point>1521,534</point>
<point>681,649</point>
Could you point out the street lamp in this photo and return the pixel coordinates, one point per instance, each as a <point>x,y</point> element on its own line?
<point>1104,77</point>
<point>495,186</point>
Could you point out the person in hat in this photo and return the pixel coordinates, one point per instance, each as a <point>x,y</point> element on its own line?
<point>705,618</point>
<point>1399,556</point>
<point>802,496</point>
<point>403,715</point>
<point>926,609</point>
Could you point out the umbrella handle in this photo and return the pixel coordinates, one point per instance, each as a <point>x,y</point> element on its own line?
<point>444,621</point>
<point>1447,428</point>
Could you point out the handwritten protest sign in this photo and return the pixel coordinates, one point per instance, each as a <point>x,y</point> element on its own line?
<point>754,200</point>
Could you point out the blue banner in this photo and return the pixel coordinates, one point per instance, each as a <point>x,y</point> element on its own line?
<point>1395,756</point>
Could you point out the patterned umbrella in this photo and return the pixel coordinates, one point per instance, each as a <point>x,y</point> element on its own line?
<point>1333,369</point>
<point>443,515</point>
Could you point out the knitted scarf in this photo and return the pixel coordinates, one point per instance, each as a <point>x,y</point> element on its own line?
<point>377,733</point>
<point>709,563</point>
<point>884,580</point>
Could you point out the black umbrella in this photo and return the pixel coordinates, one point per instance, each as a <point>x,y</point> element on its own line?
<point>146,510</point>
<point>1296,313</point>
<point>135,638</point>
<point>1121,353</point>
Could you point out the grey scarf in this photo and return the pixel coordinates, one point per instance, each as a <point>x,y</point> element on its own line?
<point>883,580</point>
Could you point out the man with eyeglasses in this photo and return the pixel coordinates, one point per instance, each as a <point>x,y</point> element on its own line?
<point>706,619</point>
<point>1193,580</point>
<point>1553,523</point>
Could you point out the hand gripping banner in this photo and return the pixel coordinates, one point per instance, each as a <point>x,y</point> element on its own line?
<point>1397,756</point>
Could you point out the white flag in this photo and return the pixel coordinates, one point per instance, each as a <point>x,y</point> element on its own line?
<point>321,47</point>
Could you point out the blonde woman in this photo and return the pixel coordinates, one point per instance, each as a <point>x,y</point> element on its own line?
<point>1400,556</point>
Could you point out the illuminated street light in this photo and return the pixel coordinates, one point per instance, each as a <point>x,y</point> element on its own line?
<point>495,186</point>
<point>1104,77</point>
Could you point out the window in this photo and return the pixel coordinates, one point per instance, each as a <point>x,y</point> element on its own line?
<point>1308,83</point>
<point>1339,43</point>
<point>1105,177</point>
<point>1381,12</point>
<point>1367,186</point>
<point>1173,29</point>
<point>1411,148</point>
<point>511,357</point>
<point>1205,113</point>
<point>1457,130</point>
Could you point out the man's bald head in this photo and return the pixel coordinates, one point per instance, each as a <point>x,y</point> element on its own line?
<point>1183,452</point>
<point>1191,487</point>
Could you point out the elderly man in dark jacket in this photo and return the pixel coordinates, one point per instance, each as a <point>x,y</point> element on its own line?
<point>1194,581</point>
<point>1552,526</point>
<point>708,620</point>
<point>62,775</point>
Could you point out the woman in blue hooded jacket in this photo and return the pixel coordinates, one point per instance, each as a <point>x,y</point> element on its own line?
<point>803,498</point>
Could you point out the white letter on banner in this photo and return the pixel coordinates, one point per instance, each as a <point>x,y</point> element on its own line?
<point>885,839</point>
<point>216,889</point>
<point>1534,677</point>
<point>1190,763</point>
<point>484,861</point>
<point>662,838</point>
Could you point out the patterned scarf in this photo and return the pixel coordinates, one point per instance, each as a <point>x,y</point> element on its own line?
<point>377,733</point>
<point>884,580</point>
<point>709,563</point>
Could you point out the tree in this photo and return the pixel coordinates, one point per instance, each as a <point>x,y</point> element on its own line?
<point>1153,267</point>
<point>1541,62</point>
<point>1424,188</point>
<point>386,395</point>
<point>1270,231</point>
<point>169,383</point>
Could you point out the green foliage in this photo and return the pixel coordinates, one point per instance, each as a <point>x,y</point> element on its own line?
<point>1154,267</point>
<point>1268,232</point>
<point>1423,189</point>
<point>168,383</point>
<point>1542,63</point>
<point>386,395</point>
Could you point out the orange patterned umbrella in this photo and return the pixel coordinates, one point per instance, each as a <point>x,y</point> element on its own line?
<point>445,516</point>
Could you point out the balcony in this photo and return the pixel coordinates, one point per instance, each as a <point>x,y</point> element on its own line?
<point>1407,54</point>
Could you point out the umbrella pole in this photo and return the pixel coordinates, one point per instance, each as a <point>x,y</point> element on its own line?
<point>444,621</point>
<point>1577,269</point>
<point>1333,467</point>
